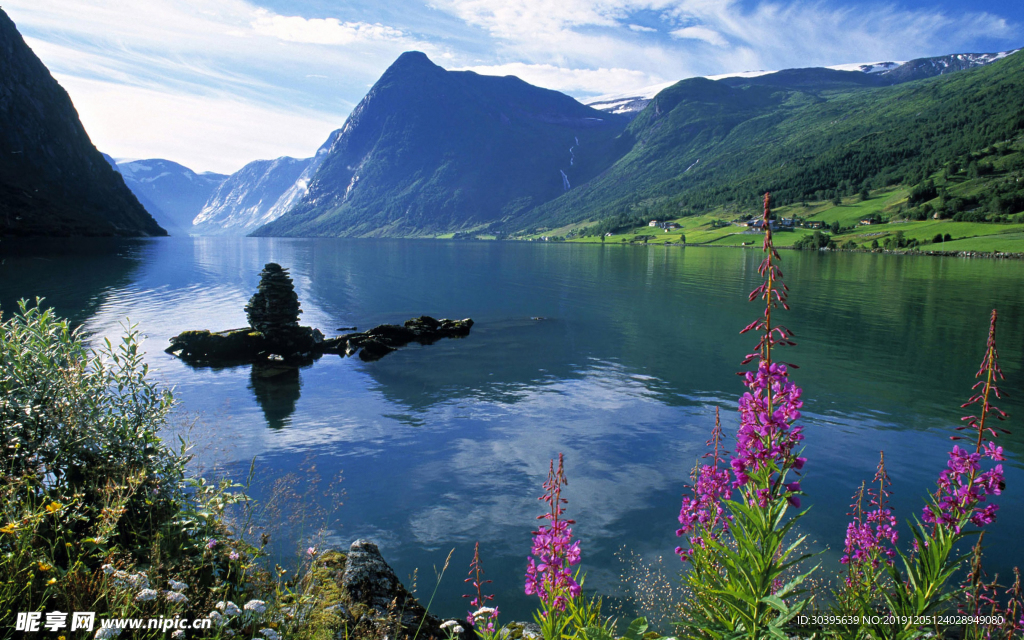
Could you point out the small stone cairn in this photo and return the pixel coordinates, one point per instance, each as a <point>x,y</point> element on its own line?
<point>274,308</point>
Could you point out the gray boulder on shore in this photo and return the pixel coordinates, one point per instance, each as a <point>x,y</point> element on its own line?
<point>367,597</point>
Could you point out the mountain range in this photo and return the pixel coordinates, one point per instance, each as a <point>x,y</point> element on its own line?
<point>430,152</point>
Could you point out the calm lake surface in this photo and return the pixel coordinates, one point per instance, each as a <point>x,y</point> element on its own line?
<point>448,444</point>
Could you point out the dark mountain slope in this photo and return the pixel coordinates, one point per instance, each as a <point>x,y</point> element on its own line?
<point>53,181</point>
<point>431,151</point>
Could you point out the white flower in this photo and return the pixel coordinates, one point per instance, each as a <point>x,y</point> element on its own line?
<point>177,586</point>
<point>107,632</point>
<point>138,581</point>
<point>452,626</point>
<point>120,575</point>
<point>175,597</point>
<point>483,611</point>
<point>270,634</point>
<point>145,595</point>
<point>108,569</point>
<point>257,606</point>
<point>229,608</point>
<point>217,618</point>
<point>178,635</point>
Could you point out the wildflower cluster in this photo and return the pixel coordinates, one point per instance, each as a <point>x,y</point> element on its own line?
<point>549,576</point>
<point>963,486</point>
<point>766,438</point>
<point>871,536</point>
<point>703,510</point>
<point>452,628</point>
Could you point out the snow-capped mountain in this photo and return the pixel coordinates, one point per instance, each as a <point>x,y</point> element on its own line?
<point>171,193</point>
<point>188,203</point>
<point>248,198</point>
<point>928,67</point>
<point>888,72</point>
<point>300,187</point>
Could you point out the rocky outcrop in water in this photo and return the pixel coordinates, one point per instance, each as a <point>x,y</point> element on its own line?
<point>383,339</point>
<point>301,345</point>
<point>275,334</point>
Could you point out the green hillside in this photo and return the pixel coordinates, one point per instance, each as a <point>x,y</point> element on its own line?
<point>702,145</point>
<point>974,203</point>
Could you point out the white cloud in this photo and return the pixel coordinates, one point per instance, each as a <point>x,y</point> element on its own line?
<point>599,33</point>
<point>641,28</point>
<point>204,133</point>
<point>320,30</point>
<point>709,36</point>
<point>567,80</point>
<point>208,83</point>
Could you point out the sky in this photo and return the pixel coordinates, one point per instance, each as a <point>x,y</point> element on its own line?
<point>214,84</point>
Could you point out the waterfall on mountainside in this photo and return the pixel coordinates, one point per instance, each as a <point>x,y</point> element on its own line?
<point>565,180</point>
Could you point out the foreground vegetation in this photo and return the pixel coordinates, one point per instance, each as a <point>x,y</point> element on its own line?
<point>99,514</point>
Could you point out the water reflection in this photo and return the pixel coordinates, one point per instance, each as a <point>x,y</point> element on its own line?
<point>74,275</point>
<point>277,387</point>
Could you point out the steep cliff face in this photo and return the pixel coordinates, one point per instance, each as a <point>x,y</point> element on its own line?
<point>248,198</point>
<point>53,181</point>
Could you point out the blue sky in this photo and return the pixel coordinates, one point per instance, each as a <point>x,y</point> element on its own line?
<point>213,84</point>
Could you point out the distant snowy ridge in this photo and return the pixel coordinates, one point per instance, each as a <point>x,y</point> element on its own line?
<point>633,102</point>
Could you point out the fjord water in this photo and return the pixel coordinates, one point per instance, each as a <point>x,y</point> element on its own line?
<point>616,356</point>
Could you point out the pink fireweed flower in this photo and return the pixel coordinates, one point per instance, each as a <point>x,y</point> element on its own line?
<point>871,536</point>
<point>767,436</point>
<point>962,485</point>
<point>476,573</point>
<point>548,573</point>
<point>703,511</point>
<point>773,291</point>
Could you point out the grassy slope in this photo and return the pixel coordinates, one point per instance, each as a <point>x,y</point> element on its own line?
<point>888,202</point>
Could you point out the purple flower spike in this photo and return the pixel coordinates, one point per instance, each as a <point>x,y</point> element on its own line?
<point>963,486</point>
<point>704,510</point>
<point>548,573</point>
<point>871,537</point>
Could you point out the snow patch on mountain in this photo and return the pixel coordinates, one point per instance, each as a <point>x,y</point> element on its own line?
<point>633,102</point>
